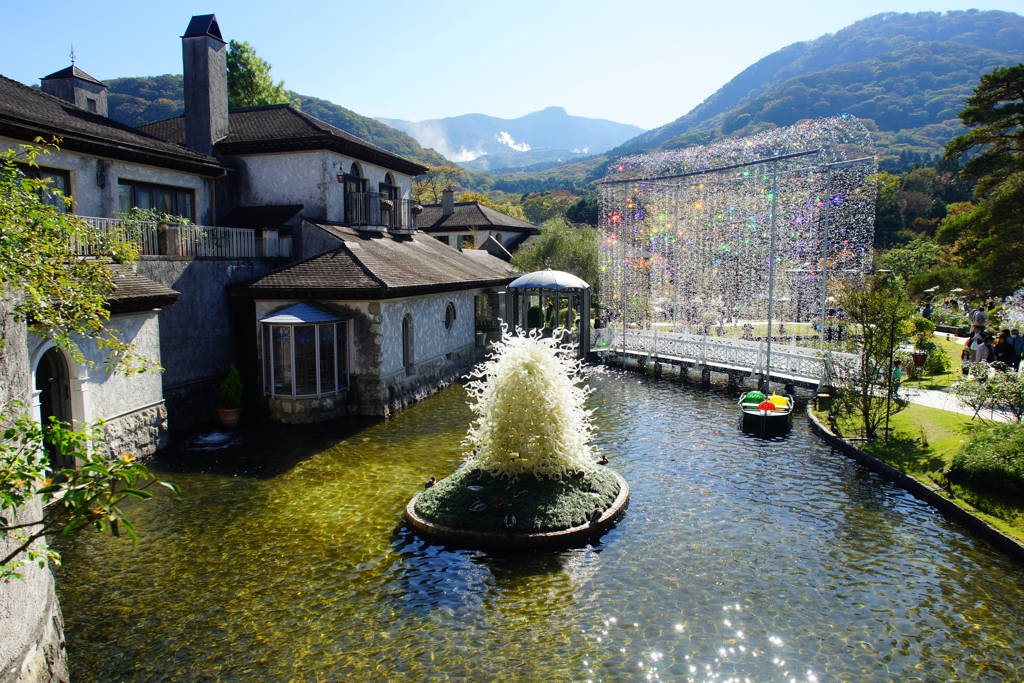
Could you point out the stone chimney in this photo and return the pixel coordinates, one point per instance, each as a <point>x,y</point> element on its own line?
<point>78,88</point>
<point>205,58</point>
<point>447,202</point>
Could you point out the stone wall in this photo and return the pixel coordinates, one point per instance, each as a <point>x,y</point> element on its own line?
<point>204,332</point>
<point>31,628</point>
<point>142,432</point>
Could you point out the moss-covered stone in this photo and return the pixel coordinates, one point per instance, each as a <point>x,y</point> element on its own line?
<point>547,505</point>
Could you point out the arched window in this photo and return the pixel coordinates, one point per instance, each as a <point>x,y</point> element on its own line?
<point>407,345</point>
<point>449,315</point>
<point>355,196</point>
<point>305,351</point>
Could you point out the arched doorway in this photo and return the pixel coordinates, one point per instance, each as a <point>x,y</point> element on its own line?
<point>54,387</point>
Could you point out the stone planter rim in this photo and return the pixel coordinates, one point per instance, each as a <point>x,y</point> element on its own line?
<point>563,538</point>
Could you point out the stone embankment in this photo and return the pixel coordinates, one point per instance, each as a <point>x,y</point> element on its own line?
<point>933,495</point>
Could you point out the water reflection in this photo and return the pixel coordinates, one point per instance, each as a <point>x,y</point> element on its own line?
<point>286,558</point>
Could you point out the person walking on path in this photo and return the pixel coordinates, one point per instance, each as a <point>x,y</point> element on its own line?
<point>985,352</point>
<point>1004,353</point>
<point>1018,346</point>
<point>926,312</point>
<point>976,339</point>
<point>979,316</point>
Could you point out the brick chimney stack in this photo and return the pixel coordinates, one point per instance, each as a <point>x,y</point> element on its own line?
<point>205,60</point>
<point>447,202</point>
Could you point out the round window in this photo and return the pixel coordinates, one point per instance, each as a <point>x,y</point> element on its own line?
<point>449,316</point>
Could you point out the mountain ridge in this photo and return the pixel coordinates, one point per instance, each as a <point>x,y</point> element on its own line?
<point>467,137</point>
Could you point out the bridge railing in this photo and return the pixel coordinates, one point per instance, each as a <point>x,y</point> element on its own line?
<point>724,353</point>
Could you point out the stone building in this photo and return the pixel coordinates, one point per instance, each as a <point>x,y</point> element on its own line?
<point>371,323</point>
<point>471,224</point>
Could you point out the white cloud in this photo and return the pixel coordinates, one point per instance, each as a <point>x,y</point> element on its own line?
<point>431,135</point>
<point>506,139</point>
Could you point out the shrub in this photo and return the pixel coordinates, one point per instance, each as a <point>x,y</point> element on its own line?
<point>938,362</point>
<point>994,455</point>
<point>231,389</point>
<point>923,329</point>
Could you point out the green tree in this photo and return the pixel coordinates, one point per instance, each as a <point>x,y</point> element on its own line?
<point>249,81</point>
<point>427,188</point>
<point>60,293</point>
<point>880,311</point>
<point>921,256</point>
<point>563,246</point>
<point>583,211</point>
<point>62,296</point>
<point>508,208</point>
<point>990,238</point>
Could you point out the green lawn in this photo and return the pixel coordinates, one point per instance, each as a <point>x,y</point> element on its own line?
<point>923,443</point>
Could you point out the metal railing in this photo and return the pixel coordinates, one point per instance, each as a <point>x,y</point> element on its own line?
<point>375,209</point>
<point>787,360</point>
<point>169,239</point>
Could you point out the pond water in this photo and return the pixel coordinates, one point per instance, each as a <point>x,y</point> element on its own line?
<point>286,559</point>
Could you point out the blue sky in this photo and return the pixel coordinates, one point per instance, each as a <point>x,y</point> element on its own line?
<point>645,63</point>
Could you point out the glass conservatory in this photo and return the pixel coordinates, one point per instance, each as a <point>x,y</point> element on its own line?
<point>305,352</point>
<point>549,299</point>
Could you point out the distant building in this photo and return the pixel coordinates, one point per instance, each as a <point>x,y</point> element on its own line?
<point>469,224</point>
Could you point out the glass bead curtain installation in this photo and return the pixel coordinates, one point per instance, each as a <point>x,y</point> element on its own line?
<point>697,236</point>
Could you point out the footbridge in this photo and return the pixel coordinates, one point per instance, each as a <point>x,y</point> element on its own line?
<point>790,364</point>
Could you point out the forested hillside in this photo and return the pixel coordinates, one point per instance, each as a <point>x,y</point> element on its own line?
<point>864,61</point>
<point>135,101</point>
<point>905,74</point>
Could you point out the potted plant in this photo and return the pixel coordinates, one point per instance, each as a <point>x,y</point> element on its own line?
<point>387,205</point>
<point>230,404</point>
<point>416,209</point>
<point>922,334</point>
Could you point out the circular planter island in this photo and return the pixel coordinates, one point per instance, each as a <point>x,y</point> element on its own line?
<point>472,508</point>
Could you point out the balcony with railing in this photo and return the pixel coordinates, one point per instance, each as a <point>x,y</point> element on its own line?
<point>375,210</point>
<point>170,239</point>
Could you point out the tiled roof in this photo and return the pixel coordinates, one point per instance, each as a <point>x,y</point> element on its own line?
<point>137,293</point>
<point>281,128</point>
<point>380,266</point>
<point>469,215</point>
<point>72,72</point>
<point>27,113</point>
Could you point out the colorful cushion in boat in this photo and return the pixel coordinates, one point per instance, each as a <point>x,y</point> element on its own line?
<point>766,405</point>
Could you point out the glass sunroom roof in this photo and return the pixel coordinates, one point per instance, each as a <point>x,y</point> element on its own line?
<point>549,279</point>
<point>305,313</point>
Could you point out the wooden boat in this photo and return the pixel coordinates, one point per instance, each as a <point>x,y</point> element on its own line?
<point>766,412</point>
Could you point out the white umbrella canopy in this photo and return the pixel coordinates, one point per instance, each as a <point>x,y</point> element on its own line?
<point>549,279</point>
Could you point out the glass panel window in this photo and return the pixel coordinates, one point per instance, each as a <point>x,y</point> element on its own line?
<point>174,201</point>
<point>305,360</point>
<point>185,206</point>
<point>268,368</point>
<point>166,201</point>
<point>327,353</point>
<point>58,181</point>
<point>144,198</point>
<point>282,360</point>
<point>125,198</point>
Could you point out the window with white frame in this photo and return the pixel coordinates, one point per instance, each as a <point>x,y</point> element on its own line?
<point>305,352</point>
